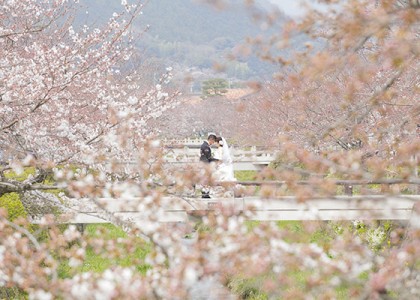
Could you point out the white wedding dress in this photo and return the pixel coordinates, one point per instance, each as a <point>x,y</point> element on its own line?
<point>224,171</point>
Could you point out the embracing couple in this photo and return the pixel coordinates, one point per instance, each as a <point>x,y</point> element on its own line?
<point>222,157</point>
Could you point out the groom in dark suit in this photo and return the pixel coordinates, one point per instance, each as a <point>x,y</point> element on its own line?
<point>205,150</point>
<point>205,156</point>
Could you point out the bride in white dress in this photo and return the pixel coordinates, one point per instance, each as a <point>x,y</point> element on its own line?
<point>224,171</point>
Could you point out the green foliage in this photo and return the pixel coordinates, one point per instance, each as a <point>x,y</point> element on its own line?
<point>247,288</point>
<point>12,293</point>
<point>376,234</point>
<point>64,270</point>
<point>15,210</point>
<point>252,224</point>
<point>20,176</point>
<point>20,209</point>
<point>246,175</point>
<point>26,173</point>
<point>99,262</point>
<point>12,203</point>
<point>337,228</point>
<point>322,234</point>
<point>215,87</point>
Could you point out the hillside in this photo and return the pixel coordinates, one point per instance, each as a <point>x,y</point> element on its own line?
<point>185,20</point>
<point>191,34</point>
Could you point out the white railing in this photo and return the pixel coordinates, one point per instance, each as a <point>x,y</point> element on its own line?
<point>180,209</point>
<point>183,142</point>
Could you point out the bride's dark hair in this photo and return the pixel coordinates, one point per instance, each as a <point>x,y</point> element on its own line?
<point>219,140</point>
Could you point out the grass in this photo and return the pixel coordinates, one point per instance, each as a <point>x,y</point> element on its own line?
<point>13,205</point>
<point>20,176</point>
<point>12,201</point>
<point>322,234</point>
<point>246,175</point>
<point>100,261</point>
<point>248,288</point>
<point>245,288</point>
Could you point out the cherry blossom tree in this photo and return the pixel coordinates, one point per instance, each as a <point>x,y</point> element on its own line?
<point>65,99</point>
<point>349,86</point>
<point>67,92</point>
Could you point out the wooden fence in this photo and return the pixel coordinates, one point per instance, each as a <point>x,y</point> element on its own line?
<point>182,209</point>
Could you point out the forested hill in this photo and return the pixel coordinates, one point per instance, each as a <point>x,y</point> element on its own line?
<point>188,32</point>
<point>185,20</point>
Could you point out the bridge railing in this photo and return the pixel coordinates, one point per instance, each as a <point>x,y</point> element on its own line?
<point>334,207</point>
<point>347,184</point>
<point>191,155</point>
<point>181,209</point>
<point>183,142</point>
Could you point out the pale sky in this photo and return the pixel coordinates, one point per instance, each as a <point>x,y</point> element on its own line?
<point>294,8</point>
<point>290,7</point>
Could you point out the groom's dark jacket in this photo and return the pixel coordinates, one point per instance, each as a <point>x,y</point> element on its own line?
<point>205,153</point>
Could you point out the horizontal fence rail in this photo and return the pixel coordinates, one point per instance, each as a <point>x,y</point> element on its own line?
<point>186,151</point>
<point>182,209</point>
<point>333,181</point>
